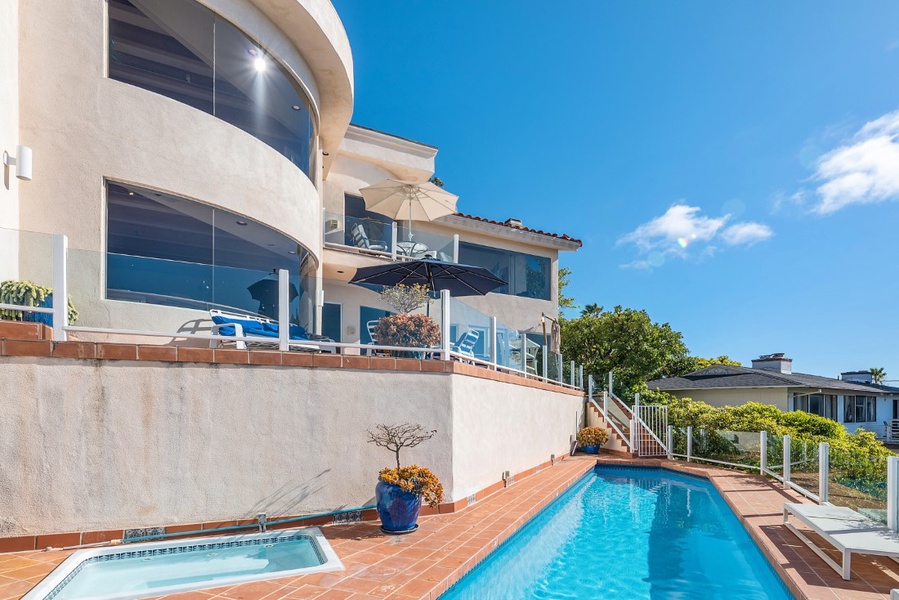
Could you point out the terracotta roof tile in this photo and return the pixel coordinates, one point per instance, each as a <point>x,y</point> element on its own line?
<point>563,236</point>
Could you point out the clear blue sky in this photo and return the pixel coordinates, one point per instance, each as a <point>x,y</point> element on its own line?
<point>732,167</point>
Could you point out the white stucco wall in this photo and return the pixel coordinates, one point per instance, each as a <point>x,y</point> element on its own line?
<point>9,136</point>
<point>107,444</point>
<point>499,427</point>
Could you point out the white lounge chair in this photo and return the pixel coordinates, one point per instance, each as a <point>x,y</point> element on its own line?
<point>846,530</point>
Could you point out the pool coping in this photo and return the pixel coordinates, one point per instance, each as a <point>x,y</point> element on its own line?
<point>423,565</point>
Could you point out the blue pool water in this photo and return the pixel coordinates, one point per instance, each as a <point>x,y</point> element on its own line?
<point>627,533</point>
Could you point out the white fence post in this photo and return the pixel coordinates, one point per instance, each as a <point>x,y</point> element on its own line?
<point>823,472</point>
<point>605,403</point>
<point>635,439</point>
<point>763,451</point>
<point>689,442</point>
<point>670,442</point>
<point>893,493</point>
<point>60,287</point>
<point>445,324</point>
<point>590,386</point>
<point>393,233</point>
<point>787,464</point>
<point>283,310</point>
<point>455,247</point>
<point>610,383</point>
<point>494,355</point>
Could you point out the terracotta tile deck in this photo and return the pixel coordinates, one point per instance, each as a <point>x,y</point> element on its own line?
<point>423,565</point>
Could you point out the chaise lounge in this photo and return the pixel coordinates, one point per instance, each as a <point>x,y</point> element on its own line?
<point>234,325</point>
<point>846,530</point>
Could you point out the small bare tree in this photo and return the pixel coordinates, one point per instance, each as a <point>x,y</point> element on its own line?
<point>397,437</point>
<point>406,298</point>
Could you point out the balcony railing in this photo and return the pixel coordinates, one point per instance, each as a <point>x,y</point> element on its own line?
<point>388,239</point>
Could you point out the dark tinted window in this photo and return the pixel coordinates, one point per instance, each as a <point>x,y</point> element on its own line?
<point>526,275</point>
<point>182,50</point>
<point>162,249</point>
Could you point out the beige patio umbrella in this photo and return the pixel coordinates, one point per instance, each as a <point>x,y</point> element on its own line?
<point>412,200</point>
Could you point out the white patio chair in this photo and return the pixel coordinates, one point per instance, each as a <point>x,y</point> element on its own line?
<point>360,239</point>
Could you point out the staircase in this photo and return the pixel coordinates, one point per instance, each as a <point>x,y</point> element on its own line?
<point>618,419</point>
<point>615,443</point>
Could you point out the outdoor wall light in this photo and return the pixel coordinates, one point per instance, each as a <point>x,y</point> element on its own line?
<point>21,161</point>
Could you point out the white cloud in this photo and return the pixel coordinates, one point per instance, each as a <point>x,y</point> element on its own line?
<point>680,225</point>
<point>740,234</point>
<point>683,227</point>
<point>864,171</point>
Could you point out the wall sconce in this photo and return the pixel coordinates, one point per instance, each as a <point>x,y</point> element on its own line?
<point>21,161</point>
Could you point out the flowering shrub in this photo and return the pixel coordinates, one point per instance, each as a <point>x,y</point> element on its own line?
<point>406,298</point>
<point>414,479</point>
<point>413,331</point>
<point>592,436</point>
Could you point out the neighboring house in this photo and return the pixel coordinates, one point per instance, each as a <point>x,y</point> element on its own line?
<point>190,149</point>
<point>852,400</point>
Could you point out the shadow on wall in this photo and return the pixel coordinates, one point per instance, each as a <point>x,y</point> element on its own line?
<point>286,499</point>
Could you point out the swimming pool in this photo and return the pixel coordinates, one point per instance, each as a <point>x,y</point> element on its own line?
<point>140,570</point>
<point>627,533</point>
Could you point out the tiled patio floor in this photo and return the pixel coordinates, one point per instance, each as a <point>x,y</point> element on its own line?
<point>422,565</point>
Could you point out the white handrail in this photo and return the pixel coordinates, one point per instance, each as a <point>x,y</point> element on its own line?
<point>37,309</point>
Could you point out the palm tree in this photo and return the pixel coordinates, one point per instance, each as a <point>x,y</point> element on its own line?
<point>878,374</point>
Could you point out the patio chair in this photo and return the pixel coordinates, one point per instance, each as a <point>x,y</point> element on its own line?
<point>236,325</point>
<point>360,238</point>
<point>466,342</point>
<point>372,327</point>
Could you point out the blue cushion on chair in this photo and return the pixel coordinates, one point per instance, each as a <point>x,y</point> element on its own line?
<point>257,328</point>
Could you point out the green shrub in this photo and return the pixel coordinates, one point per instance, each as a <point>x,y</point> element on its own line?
<point>26,293</point>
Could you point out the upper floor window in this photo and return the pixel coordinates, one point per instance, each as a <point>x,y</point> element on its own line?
<point>186,52</point>
<point>527,275</point>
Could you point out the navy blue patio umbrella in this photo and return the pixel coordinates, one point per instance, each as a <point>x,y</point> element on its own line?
<point>436,275</point>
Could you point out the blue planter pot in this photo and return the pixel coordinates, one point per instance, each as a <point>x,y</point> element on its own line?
<point>397,509</point>
<point>589,449</point>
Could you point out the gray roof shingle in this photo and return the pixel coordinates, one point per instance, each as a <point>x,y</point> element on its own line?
<point>727,377</point>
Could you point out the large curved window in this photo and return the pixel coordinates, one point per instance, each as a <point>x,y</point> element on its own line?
<point>162,249</point>
<point>183,50</point>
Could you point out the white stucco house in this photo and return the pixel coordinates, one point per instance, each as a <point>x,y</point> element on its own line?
<point>190,148</point>
<point>852,399</point>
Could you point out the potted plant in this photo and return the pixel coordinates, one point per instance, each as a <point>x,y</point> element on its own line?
<point>26,293</point>
<point>400,490</point>
<point>589,439</point>
<point>405,329</point>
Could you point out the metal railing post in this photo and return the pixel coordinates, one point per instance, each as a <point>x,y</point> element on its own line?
<point>394,232</point>
<point>823,472</point>
<point>60,287</point>
<point>605,402</point>
<point>283,310</point>
<point>545,363</point>
<point>669,439</point>
<point>445,324</point>
<point>494,355</point>
<point>571,373</point>
<point>590,386</point>
<point>610,383</point>
<point>523,355</point>
<point>763,452</point>
<point>560,369</point>
<point>689,442</point>
<point>787,464</point>
<point>893,493</point>
<point>455,247</point>
<point>580,375</point>
<point>635,439</point>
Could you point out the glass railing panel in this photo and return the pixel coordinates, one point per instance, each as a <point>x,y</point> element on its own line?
<point>859,482</point>
<point>470,330</point>
<point>739,447</point>
<point>423,244</point>
<point>364,233</point>
<point>27,256</point>
<point>775,450</point>
<point>804,464</point>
